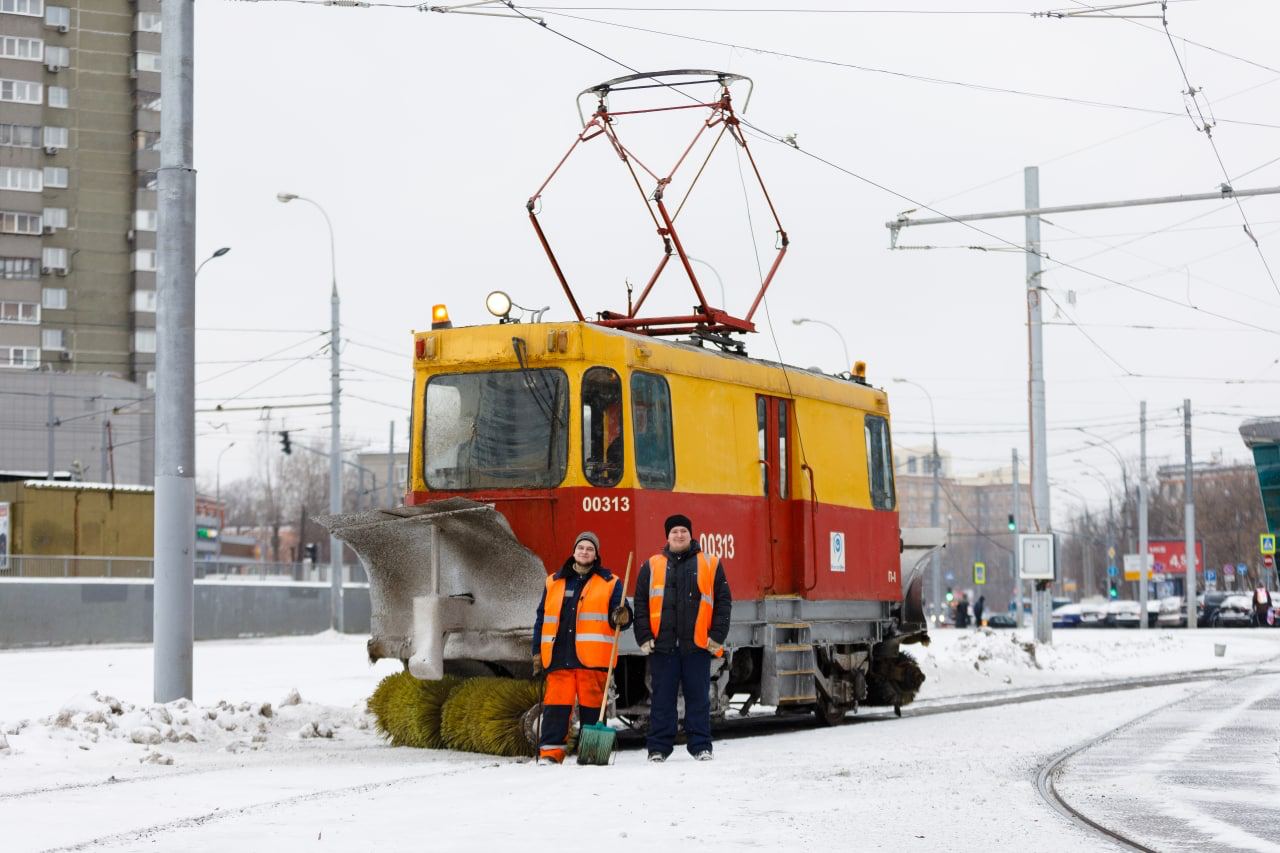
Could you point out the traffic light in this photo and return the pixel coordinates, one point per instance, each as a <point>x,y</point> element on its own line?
<point>1113,590</point>
<point>312,549</point>
<point>1012,524</point>
<point>950,595</point>
<point>285,444</point>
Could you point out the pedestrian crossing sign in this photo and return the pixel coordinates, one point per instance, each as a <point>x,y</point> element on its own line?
<point>979,573</point>
<point>1267,544</point>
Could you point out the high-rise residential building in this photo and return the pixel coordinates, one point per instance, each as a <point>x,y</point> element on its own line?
<point>79,151</point>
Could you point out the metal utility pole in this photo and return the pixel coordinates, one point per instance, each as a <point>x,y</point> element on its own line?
<point>175,486</point>
<point>1042,598</point>
<point>1017,528</point>
<point>335,419</point>
<point>391,467</point>
<point>1189,497</point>
<point>50,441</point>
<point>1144,577</point>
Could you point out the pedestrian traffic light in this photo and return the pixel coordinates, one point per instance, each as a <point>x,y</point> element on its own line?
<point>1113,590</point>
<point>1012,524</point>
<point>950,595</point>
<point>312,549</point>
<point>285,444</point>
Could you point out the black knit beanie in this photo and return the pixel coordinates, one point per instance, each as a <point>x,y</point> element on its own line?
<point>678,521</point>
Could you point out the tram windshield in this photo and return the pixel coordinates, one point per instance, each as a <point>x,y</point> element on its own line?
<point>500,430</point>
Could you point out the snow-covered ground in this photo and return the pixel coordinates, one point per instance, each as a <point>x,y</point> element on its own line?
<point>277,750</point>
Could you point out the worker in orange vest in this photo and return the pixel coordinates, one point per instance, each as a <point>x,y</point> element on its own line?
<point>683,606</point>
<point>581,610</point>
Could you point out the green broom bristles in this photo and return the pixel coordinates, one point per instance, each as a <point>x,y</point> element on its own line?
<point>486,715</point>
<point>407,710</point>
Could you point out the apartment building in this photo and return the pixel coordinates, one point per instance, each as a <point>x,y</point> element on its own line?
<point>79,152</point>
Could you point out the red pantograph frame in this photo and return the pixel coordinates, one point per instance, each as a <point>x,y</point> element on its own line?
<point>705,318</point>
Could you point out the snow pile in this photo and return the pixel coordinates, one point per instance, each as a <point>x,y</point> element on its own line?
<point>95,717</point>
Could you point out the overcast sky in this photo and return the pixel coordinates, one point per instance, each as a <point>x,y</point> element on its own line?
<point>423,135</point>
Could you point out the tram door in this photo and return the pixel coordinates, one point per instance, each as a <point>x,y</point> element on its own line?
<point>773,426</point>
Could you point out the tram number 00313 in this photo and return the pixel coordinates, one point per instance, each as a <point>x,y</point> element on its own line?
<point>612,503</point>
<point>716,544</point>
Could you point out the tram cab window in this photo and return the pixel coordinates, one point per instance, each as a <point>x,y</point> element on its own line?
<point>498,430</point>
<point>603,436</point>
<point>651,422</point>
<point>879,462</point>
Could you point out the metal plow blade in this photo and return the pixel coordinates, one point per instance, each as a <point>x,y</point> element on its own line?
<point>918,545</point>
<point>447,580</point>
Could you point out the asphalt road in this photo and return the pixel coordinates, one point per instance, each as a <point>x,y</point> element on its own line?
<point>1202,774</point>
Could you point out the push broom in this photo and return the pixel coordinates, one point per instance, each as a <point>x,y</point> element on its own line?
<point>596,740</point>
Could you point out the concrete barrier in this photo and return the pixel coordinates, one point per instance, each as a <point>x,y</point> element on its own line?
<point>55,612</point>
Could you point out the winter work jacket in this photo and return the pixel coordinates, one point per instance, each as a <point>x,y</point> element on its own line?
<point>574,626</point>
<point>679,605</point>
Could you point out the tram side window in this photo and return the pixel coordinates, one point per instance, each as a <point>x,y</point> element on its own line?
<point>879,462</point>
<point>603,438</point>
<point>762,425</point>
<point>783,485</point>
<point>651,422</point>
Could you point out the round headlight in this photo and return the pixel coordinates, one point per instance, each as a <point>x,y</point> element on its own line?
<point>498,303</point>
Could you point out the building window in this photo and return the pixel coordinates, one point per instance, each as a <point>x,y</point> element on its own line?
<point>19,136</point>
<point>57,57</point>
<point>151,380</point>
<point>651,424</point>
<point>144,260</point>
<point>58,16</point>
<point>143,61</point>
<point>52,339</point>
<point>59,97</point>
<point>19,357</point>
<point>53,298</point>
<point>14,222</point>
<point>55,217</point>
<point>147,101</point>
<point>34,8</point>
<point>55,259</point>
<point>22,313</point>
<point>148,22</point>
<point>144,340</point>
<point>147,181</point>
<point>15,47</point>
<point>56,137</point>
<point>146,220</point>
<point>56,176</point>
<point>22,180</point>
<point>144,300</point>
<point>19,268</point>
<point>20,91</point>
<point>146,140</point>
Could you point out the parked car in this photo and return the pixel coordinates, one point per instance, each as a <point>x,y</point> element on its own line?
<point>1207,606</point>
<point>1123,614</point>
<point>1234,611</point>
<point>1066,616</point>
<point>1002,620</point>
<point>1171,612</point>
<point>1093,613</point>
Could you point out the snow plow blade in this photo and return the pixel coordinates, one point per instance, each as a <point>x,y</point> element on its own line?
<point>918,544</point>
<point>447,580</point>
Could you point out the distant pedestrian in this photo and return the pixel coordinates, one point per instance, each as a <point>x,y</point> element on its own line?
<point>978,609</point>
<point>962,611</point>
<point>1261,605</point>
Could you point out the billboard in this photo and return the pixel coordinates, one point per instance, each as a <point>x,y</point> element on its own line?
<point>1169,557</point>
<point>4,536</point>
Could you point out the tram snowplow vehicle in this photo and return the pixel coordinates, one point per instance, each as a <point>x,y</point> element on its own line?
<point>524,434</point>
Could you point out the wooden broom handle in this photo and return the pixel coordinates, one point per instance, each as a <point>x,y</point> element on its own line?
<point>613,657</point>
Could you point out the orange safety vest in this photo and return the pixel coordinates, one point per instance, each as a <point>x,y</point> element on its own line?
<point>706,586</point>
<point>593,635</point>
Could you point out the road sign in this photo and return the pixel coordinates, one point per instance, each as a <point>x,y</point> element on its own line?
<point>1210,575</point>
<point>1242,569</point>
<point>1267,544</point>
<point>1132,566</point>
<point>1228,569</point>
<point>1112,571</point>
<point>979,573</point>
<point>1268,561</point>
<point>1111,553</point>
<point>950,576</point>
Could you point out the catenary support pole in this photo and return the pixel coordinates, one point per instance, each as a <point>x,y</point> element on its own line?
<point>1189,495</point>
<point>1042,599</point>
<point>175,492</point>
<point>1017,528</point>
<point>935,516</point>
<point>50,441</point>
<point>1144,576</point>
<point>335,441</point>
<point>391,467</point>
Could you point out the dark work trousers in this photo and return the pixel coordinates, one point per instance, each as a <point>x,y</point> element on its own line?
<point>690,673</point>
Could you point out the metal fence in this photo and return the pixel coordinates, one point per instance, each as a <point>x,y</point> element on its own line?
<point>28,566</point>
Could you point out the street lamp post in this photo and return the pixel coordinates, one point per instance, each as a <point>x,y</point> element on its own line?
<point>848,365</point>
<point>1097,474</point>
<point>217,499</point>
<point>935,567</point>
<point>335,426</point>
<point>217,253</point>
